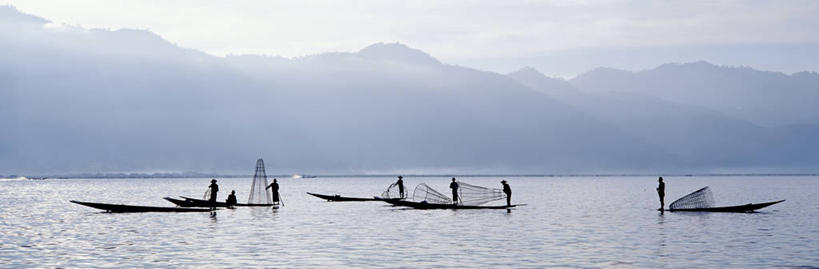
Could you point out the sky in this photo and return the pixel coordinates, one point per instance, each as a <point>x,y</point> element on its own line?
<point>560,38</point>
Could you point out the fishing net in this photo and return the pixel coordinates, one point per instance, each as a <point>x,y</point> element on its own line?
<point>423,193</point>
<point>702,198</point>
<point>476,195</point>
<point>468,194</point>
<point>258,191</point>
<point>393,192</point>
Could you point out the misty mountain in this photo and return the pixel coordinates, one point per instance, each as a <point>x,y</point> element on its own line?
<point>698,134</point>
<point>533,79</point>
<point>80,100</point>
<point>764,98</point>
<point>95,100</point>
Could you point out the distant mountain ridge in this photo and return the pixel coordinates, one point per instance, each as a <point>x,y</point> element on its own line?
<point>398,53</point>
<point>765,98</point>
<point>100,101</point>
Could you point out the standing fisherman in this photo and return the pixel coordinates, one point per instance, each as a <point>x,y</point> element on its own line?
<point>508,191</point>
<point>661,193</point>
<point>454,187</point>
<point>400,184</point>
<point>214,188</point>
<point>274,188</point>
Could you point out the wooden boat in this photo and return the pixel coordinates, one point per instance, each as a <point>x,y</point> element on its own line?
<point>736,208</point>
<point>339,198</point>
<point>193,202</point>
<point>118,208</point>
<point>424,205</point>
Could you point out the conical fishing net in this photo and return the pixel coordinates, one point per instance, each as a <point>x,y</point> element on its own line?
<point>258,191</point>
<point>423,193</point>
<point>702,198</point>
<point>393,192</point>
<point>476,195</point>
<point>468,194</point>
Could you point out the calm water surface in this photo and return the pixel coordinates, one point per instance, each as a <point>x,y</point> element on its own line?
<point>569,222</point>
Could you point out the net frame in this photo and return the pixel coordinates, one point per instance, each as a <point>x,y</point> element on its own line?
<point>258,191</point>
<point>469,194</point>
<point>702,198</point>
<point>424,193</point>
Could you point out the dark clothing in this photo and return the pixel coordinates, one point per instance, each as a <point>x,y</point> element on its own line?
<point>508,191</point>
<point>274,188</point>
<point>400,187</point>
<point>661,193</point>
<point>213,190</point>
<point>454,187</point>
<point>661,189</point>
<point>231,200</point>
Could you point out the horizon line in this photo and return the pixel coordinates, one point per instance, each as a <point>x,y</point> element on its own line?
<point>309,176</point>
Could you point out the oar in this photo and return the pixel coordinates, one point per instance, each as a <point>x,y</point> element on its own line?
<point>280,199</point>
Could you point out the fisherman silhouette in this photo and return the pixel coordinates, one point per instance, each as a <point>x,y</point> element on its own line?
<point>400,184</point>
<point>231,200</point>
<point>274,188</point>
<point>661,193</point>
<point>214,188</point>
<point>508,191</point>
<point>454,187</point>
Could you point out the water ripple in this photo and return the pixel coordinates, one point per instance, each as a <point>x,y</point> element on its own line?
<point>570,222</point>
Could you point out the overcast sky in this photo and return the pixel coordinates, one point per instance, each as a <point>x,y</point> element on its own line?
<point>561,38</point>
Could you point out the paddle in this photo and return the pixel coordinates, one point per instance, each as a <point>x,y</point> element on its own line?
<point>280,199</point>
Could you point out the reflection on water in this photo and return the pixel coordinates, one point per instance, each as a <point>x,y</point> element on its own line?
<point>213,217</point>
<point>573,221</point>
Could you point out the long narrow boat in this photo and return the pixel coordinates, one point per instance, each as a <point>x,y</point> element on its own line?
<point>423,205</point>
<point>339,198</point>
<point>736,208</point>
<point>118,208</point>
<point>193,202</point>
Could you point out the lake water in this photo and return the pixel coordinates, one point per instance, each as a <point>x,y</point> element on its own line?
<point>568,222</point>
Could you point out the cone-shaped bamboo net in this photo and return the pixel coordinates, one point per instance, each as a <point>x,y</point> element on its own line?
<point>258,191</point>
<point>476,195</point>
<point>702,198</point>
<point>423,193</point>
<point>468,194</point>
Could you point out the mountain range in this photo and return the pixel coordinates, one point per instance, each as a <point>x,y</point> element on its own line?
<point>92,100</point>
